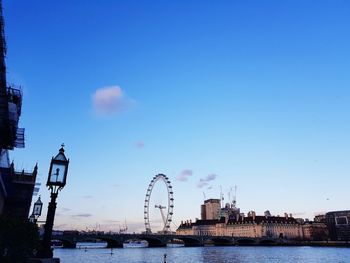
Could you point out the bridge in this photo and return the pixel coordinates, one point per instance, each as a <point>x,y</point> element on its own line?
<point>161,240</point>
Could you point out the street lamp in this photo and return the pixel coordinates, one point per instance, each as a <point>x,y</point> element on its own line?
<point>55,182</point>
<point>37,208</point>
<point>32,219</point>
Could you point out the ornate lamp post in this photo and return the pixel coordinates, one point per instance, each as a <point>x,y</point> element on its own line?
<point>55,182</point>
<point>32,219</point>
<point>37,208</point>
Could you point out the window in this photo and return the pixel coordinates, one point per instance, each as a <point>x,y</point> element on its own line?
<point>341,220</point>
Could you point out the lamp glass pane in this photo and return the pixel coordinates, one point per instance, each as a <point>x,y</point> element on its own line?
<point>57,173</point>
<point>37,209</point>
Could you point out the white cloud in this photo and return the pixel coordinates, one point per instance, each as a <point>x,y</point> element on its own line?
<point>204,181</point>
<point>109,100</point>
<point>184,175</point>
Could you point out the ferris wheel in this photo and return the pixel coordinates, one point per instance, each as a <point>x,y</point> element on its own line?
<point>167,219</point>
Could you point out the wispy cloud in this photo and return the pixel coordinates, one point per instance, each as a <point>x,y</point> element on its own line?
<point>81,215</point>
<point>63,209</point>
<point>204,181</point>
<point>111,221</point>
<point>184,175</point>
<point>110,100</point>
<point>140,144</point>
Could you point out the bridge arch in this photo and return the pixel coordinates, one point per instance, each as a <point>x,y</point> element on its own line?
<point>67,243</point>
<point>267,242</point>
<point>246,241</point>
<point>113,242</point>
<point>191,241</point>
<point>155,242</point>
<point>222,241</point>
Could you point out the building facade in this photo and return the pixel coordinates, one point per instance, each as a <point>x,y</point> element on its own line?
<point>338,223</point>
<point>19,187</point>
<point>230,222</point>
<point>246,227</point>
<point>210,209</point>
<point>315,231</point>
<point>16,188</point>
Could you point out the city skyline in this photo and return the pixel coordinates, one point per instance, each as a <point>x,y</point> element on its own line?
<point>253,95</point>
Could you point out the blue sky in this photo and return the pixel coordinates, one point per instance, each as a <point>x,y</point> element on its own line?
<point>254,92</point>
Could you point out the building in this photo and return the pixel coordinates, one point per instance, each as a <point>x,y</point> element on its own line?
<point>16,188</point>
<point>338,223</point>
<point>10,103</point>
<point>210,209</point>
<point>248,227</point>
<point>206,227</point>
<point>228,221</point>
<point>19,190</point>
<point>230,212</point>
<point>315,231</point>
<point>263,226</point>
<point>320,218</point>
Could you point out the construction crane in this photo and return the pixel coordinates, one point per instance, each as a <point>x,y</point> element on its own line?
<point>234,197</point>
<point>123,229</point>
<point>161,212</point>
<point>222,204</point>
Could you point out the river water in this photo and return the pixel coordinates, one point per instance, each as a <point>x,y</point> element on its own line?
<point>92,253</point>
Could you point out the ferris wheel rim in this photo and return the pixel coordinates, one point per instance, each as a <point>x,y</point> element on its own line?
<point>165,179</point>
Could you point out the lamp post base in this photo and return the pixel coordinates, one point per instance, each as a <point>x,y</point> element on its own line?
<point>45,253</point>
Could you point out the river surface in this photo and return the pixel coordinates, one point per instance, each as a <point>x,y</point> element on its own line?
<point>91,253</point>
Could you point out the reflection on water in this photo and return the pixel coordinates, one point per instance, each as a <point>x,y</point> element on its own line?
<point>96,252</point>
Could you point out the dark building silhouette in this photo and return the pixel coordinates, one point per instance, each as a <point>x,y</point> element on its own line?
<point>10,102</point>
<point>16,188</point>
<point>338,223</point>
<point>19,190</point>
